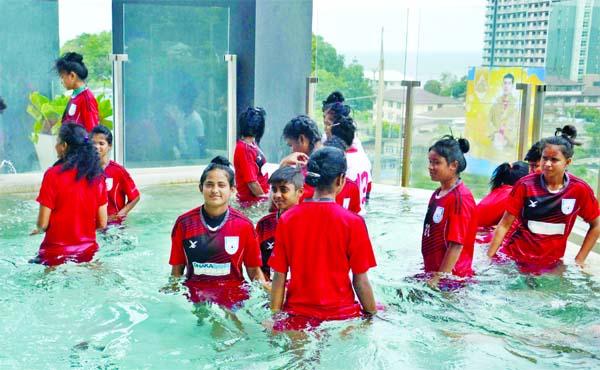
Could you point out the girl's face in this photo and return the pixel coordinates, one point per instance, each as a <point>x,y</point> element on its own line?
<point>301,145</point>
<point>439,169</point>
<point>554,162</point>
<point>61,148</point>
<point>216,189</point>
<point>285,195</point>
<point>328,123</point>
<point>68,80</point>
<point>101,144</point>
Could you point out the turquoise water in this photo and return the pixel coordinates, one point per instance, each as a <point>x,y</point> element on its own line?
<point>109,314</point>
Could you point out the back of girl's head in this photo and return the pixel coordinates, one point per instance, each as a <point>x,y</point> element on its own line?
<point>81,153</point>
<point>72,62</point>
<point>251,123</point>
<point>565,139</point>
<point>287,174</point>
<point>219,163</point>
<point>334,104</point>
<point>336,142</point>
<point>324,166</point>
<point>102,130</point>
<point>508,174</point>
<point>534,153</point>
<point>344,128</point>
<point>452,150</point>
<point>302,125</point>
<point>2,105</point>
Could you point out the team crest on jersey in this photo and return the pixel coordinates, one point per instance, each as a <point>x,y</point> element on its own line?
<point>72,109</point>
<point>567,206</point>
<point>109,183</point>
<point>438,214</point>
<point>232,243</point>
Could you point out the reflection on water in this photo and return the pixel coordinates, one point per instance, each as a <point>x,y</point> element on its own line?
<point>110,313</point>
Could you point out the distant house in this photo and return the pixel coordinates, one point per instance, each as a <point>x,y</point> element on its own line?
<point>562,93</point>
<point>424,101</point>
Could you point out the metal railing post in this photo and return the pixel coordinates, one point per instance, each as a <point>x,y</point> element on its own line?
<point>524,122</point>
<point>407,131</point>
<point>538,113</point>
<point>231,60</point>
<point>118,107</point>
<point>311,89</point>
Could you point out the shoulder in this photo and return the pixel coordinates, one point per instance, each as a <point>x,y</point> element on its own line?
<point>237,216</point>
<point>577,182</point>
<point>270,218</point>
<point>191,215</point>
<point>115,167</point>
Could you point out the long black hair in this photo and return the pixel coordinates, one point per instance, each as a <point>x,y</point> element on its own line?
<point>324,166</point>
<point>565,139</point>
<point>302,125</point>
<point>508,174</point>
<point>251,123</point>
<point>81,153</point>
<point>534,154</point>
<point>344,128</point>
<point>452,149</point>
<point>72,62</point>
<point>221,163</point>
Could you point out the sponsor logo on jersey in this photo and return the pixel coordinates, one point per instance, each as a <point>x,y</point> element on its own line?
<point>109,183</point>
<point>192,244</point>
<point>567,206</point>
<point>270,245</point>
<point>232,243</point>
<point>72,109</point>
<point>533,203</point>
<point>438,214</point>
<point>211,269</point>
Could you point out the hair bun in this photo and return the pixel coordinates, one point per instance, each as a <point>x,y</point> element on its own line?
<point>220,160</point>
<point>463,144</point>
<point>334,97</point>
<point>74,57</point>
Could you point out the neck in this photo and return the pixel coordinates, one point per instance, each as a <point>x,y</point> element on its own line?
<point>78,85</point>
<point>248,139</point>
<point>554,182</point>
<point>215,211</point>
<point>447,184</point>
<point>325,194</point>
<point>104,161</point>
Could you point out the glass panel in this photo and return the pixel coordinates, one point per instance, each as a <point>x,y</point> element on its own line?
<point>29,39</point>
<point>175,84</point>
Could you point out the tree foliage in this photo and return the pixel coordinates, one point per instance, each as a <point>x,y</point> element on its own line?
<point>448,85</point>
<point>433,86</point>
<point>95,49</point>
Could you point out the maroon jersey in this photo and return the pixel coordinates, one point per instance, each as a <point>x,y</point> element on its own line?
<point>248,160</point>
<point>82,109</point>
<point>120,187</point>
<point>547,218</point>
<point>265,231</point>
<point>215,255</point>
<point>450,218</point>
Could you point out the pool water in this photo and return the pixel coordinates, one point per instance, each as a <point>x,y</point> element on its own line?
<point>110,314</point>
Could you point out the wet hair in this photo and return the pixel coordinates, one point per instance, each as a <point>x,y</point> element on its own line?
<point>344,128</point>
<point>452,150</point>
<point>288,174</point>
<point>81,153</point>
<point>103,130</point>
<point>508,174</point>
<point>334,104</point>
<point>565,139</point>
<point>534,154</point>
<point>336,142</point>
<point>302,125</point>
<point>2,105</point>
<point>219,163</point>
<point>252,123</point>
<point>324,166</point>
<point>72,62</point>
<point>510,76</point>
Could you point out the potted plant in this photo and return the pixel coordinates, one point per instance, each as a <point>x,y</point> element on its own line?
<point>47,114</point>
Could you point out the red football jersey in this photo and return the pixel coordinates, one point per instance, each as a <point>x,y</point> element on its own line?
<point>82,109</point>
<point>74,206</point>
<point>265,231</point>
<point>319,243</point>
<point>120,186</point>
<point>248,160</point>
<point>450,218</point>
<point>349,196</point>
<point>546,219</point>
<point>214,256</point>
<point>491,208</point>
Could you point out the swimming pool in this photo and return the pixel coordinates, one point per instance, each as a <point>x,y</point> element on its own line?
<point>110,314</point>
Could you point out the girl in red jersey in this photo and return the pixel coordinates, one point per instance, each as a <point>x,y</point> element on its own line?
<point>450,223</point>
<point>248,159</point>
<point>546,206</point>
<point>123,195</point>
<point>319,243</point>
<point>286,188</point>
<point>210,243</point>
<point>82,107</point>
<point>72,201</point>
<point>491,208</point>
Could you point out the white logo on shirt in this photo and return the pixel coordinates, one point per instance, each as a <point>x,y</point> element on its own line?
<point>109,183</point>
<point>270,245</point>
<point>211,269</point>
<point>567,206</point>
<point>72,109</point>
<point>193,244</point>
<point>533,203</point>
<point>232,244</point>
<point>346,203</point>
<point>438,214</point>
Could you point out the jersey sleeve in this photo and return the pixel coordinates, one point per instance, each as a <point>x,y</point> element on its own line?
<point>102,193</point>
<point>459,220</point>
<point>177,254</point>
<point>360,250</point>
<point>48,190</point>
<point>244,162</point>
<point>515,201</point>
<point>252,256</point>
<point>589,211</point>
<point>129,186</point>
<point>90,113</point>
<point>278,260</point>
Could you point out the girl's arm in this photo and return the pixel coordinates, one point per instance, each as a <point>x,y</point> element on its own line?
<point>277,291</point>
<point>43,220</point>
<point>177,270</point>
<point>501,230</point>
<point>126,209</point>
<point>101,217</point>
<point>588,243</point>
<point>448,263</point>
<point>256,189</point>
<point>294,159</point>
<point>255,274</point>
<point>363,290</point>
